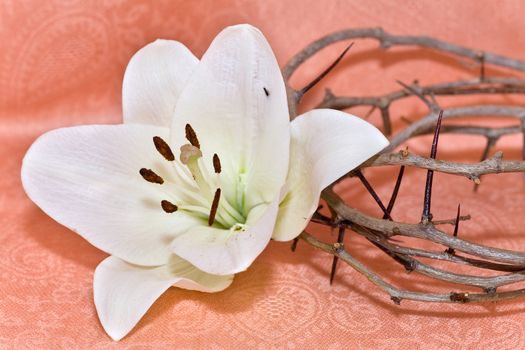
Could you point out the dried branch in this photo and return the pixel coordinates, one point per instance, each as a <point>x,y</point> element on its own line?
<point>387,40</point>
<point>413,265</point>
<point>492,134</point>
<point>396,294</point>
<point>462,87</point>
<point>437,255</point>
<point>425,124</point>
<point>473,171</point>
<point>427,232</point>
<point>509,265</point>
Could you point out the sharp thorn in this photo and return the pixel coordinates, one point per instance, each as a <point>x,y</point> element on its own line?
<point>449,250</point>
<point>294,244</point>
<point>323,73</point>
<point>369,113</point>
<point>373,193</point>
<point>334,267</point>
<point>431,104</point>
<point>433,150</point>
<point>482,66</point>
<point>427,216</point>
<point>393,198</point>
<point>456,225</point>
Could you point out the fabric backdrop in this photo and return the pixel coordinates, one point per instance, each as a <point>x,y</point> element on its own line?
<point>62,63</point>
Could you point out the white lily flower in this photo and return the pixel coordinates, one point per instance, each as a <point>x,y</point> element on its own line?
<point>194,219</point>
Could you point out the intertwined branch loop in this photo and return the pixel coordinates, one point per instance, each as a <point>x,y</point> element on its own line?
<point>509,265</point>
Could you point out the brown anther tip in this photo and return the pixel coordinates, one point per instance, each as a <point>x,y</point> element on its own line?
<point>266,92</point>
<point>216,163</point>
<point>168,207</point>
<point>476,180</point>
<point>214,207</point>
<point>163,148</point>
<point>150,176</point>
<point>191,136</point>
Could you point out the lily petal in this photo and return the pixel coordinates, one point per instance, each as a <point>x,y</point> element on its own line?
<point>87,178</point>
<point>221,251</point>
<point>154,80</point>
<point>124,292</point>
<point>236,103</point>
<point>326,144</point>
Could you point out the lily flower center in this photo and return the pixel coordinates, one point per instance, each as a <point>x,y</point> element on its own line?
<point>193,187</point>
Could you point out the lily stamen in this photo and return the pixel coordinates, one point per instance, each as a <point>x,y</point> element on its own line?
<point>191,136</point>
<point>191,156</point>
<point>150,176</point>
<point>163,148</point>
<point>168,207</point>
<point>214,206</point>
<point>216,163</point>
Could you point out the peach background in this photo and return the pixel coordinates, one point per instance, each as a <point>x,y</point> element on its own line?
<point>62,63</point>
